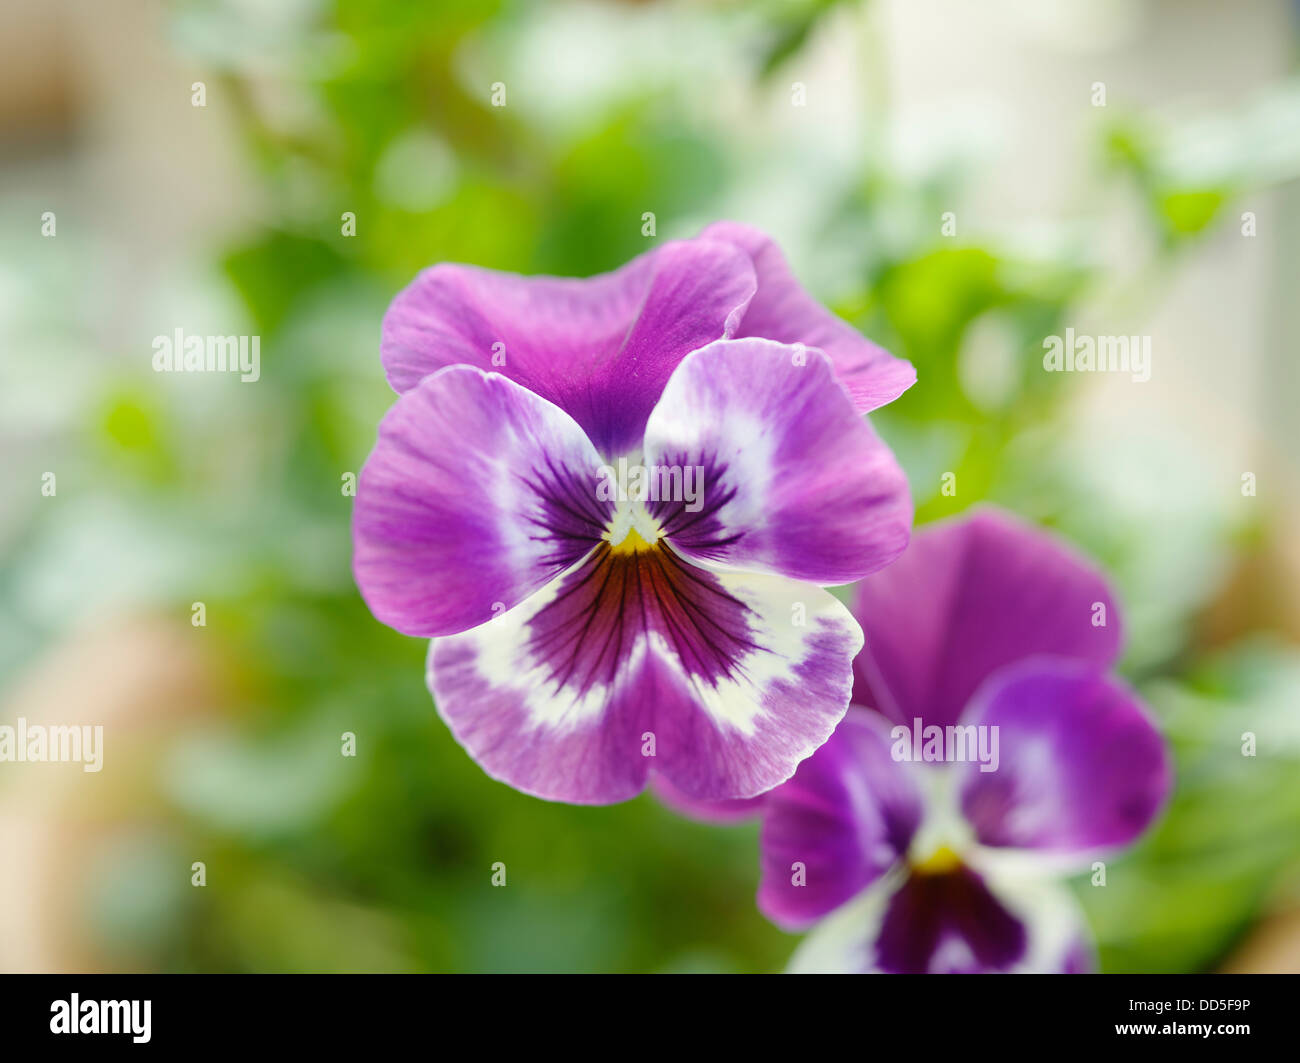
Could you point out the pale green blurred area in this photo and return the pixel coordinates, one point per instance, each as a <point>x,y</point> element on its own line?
<point>224,740</point>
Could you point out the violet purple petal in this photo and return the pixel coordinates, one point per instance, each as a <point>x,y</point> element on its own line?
<point>476,494</point>
<point>969,596</point>
<point>782,310</point>
<point>841,822</point>
<point>601,348</point>
<point>633,662</point>
<point>1082,767</point>
<point>791,480</point>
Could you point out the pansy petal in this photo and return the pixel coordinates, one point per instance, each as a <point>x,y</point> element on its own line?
<point>638,660</point>
<point>966,922</point>
<point>1080,956</point>
<point>600,348</point>
<point>738,810</point>
<point>846,817</point>
<point>782,310</point>
<point>969,596</point>
<point>948,923</point>
<point>1081,766</point>
<point>789,479</point>
<point>477,493</point>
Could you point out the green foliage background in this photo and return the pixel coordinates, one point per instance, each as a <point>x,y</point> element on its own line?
<point>383,862</point>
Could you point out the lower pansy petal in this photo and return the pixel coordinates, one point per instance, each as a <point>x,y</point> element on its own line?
<point>787,477</point>
<point>738,810</point>
<point>477,493</point>
<point>947,923</point>
<point>1081,765</point>
<point>846,817</point>
<point>782,310</point>
<point>961,921</point>
<point>636,660</point>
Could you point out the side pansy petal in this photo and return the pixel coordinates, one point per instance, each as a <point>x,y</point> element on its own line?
<point>600,348</point>
<point>636,661</point>
<point>846,817</point>
<point>1081,766</point>
<point>962,922</point>
<point>968,597</point>
<point>476,494</point>
<point>788,477</point>
<point>782,310</point>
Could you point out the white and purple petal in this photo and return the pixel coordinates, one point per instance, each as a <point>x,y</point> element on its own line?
<point>969,596</point>
<point>601,348</point>
<point>792,480</point>
<point>964,921</point>
<point>737,810</point>
<point>477,493</point>
<point>1081,769</point>
<point>782,310</point>
<point>638,660</point>
<point>845,818</point>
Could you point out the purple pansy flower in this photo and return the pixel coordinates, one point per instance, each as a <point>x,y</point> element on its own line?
<point>908,865</point>
<point>613,503</point>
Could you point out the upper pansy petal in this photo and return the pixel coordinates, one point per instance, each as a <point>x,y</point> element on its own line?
<point>847,816</point>
<point>969,596</point>
<point>636,660</point>
<point>788,478</point>
<point>1081,766</point>
<point>477,493</point>
<point>600,348</point>
<point>782,310</point>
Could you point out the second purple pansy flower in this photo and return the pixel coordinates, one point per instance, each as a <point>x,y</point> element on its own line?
<point>988,754</point>
<point>587,629</point>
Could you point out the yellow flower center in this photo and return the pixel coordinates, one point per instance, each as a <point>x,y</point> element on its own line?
<point>939,862</point>
<point>631,543</point>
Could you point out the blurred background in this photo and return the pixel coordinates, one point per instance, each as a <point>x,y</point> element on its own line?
<point>1113,166</point>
